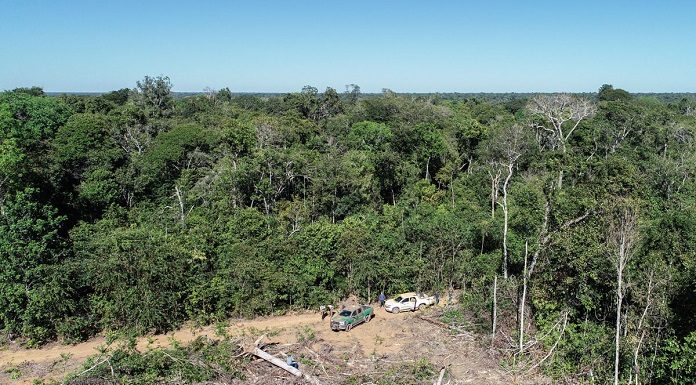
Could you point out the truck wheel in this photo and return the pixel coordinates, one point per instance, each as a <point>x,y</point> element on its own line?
<point>395,310</point>
<point>421,307</point>
<point>348,327</point>
<point>369,318</point>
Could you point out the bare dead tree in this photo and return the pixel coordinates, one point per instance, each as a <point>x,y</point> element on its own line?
<point>503,149</point>
<point>677,167</point>
<point>181,200</point>
<point>622,132</point>
<point>544,239</point>
<point>494,173</point>
<point>272,185</point>
<point>495,307</point>
<point>524,298</point>
<point>209,93</point>
<point>560,116</point>
<point>564,315</point>
<point>622,237</point>
<point>557,110</point>
<point>690,111</point>
<point>136,137</point>
<point>513,144</point>
<point>267,135</point>
<point>640,330</point>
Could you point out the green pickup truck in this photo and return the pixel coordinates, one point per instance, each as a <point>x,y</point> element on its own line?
<point>347,319</point>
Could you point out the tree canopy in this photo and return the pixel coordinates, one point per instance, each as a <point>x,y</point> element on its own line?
<point>138,209</point>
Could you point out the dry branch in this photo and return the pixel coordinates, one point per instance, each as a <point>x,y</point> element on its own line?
<point>560,335</point>
<point>442,375</point>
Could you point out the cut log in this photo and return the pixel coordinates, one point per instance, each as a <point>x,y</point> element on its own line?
<point>277,362</point>
<point>281,364</point>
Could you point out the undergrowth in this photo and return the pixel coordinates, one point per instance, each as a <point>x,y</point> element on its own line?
<point>201,360</point>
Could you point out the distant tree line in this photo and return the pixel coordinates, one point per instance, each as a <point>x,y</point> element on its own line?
<point>135,209</point>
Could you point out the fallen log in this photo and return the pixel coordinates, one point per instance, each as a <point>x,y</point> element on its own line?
<point>442,375</point>
<point>281,364</point>
<point>277,362</point>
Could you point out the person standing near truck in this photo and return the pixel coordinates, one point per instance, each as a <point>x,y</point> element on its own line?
<point>382,298</point>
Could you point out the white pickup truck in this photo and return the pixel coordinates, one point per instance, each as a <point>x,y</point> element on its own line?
<point>409,302</point>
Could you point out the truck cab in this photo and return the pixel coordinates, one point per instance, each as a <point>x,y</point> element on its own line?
<point>346,319</point>
<point>408,302</point>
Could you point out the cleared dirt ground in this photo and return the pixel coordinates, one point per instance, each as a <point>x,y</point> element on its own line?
<point>388,340</point>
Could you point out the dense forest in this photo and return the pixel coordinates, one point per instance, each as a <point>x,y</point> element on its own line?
<point>139,210</point>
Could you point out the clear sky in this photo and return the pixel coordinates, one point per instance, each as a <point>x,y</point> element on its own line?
<point>416,46</point>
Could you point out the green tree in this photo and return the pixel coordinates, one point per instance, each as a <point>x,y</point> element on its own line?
<point>34,296</point>
<point>118,97</point>
<point>607,92</point>
<point>677,363</point>
<point>85,157</point>
<point>138,275</point>
<point>154,95</point>
<point>32,91</point>
<point>11,170</point>
<point>370,136</point>
<point>30,119</point>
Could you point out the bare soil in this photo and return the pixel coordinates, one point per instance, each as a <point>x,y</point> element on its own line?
<point>388,340</point>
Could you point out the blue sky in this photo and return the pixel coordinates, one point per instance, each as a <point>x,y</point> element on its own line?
<point>416,46</point>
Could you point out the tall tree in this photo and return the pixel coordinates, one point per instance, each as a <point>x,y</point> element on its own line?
<point>154,94</point>
<point>503,148</point>
<point>622,238</point>
<point>556,118</point>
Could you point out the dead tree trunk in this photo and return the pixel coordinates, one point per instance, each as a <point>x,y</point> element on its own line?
<point>524,298</point>
<point>495,307</point>
<point>181,200</point>
<point>504,205</point>
<point>495,181</point>
<point>554,111</point>
<point>640,330</point>
<point>277,362</point>
<point>623,234</point>
<point>617,338</point>
<point>258,352</point>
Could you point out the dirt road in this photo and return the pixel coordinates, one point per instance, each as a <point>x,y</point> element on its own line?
<point>391,337</point>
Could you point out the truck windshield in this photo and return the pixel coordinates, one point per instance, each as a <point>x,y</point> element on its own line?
<point>344,313</point>
<point>398,299</point>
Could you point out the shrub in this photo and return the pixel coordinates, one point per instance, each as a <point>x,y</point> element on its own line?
<point>677,363</point>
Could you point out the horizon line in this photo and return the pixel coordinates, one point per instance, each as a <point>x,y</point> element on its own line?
<point>375,92</point>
